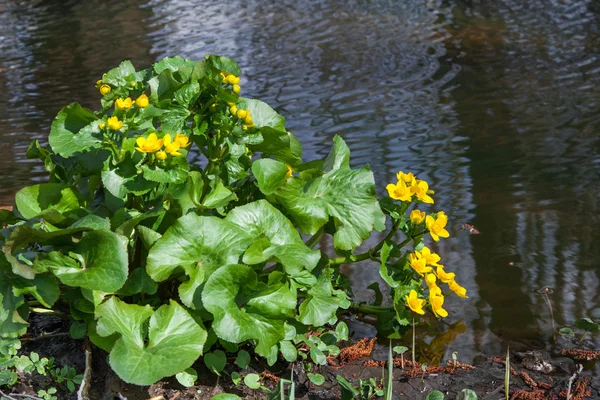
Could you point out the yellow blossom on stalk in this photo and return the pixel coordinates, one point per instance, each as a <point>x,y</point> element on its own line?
<point>437,301</point>
<point>114,123</point>
<point>437,226</point>
<point>98,83</point>
<point>236,88</point>
<point>430,258</point>
<point>399,191</point>
<point>102,125</point>
<point>233,110</point>
<point>182,140</point>
<point>149,145</point>
<point>414,303</point>
<point>248,120</point>
<point>171,147</point>
<point>290,171</point>
<point>241,114</point>
<point>416,216</point>
<point>444,276</point>
<point>418,264</point>
<point>124,104</point>
<point>430,281</point>
<point>161,155</point>
<point>231,79</point>
<point>142,101</point>
<point>407,178</point>
<point>420,189</point>
<point>459,290</point>
<point>105,89</point>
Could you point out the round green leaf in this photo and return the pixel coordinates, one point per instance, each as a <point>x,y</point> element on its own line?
<point>246,309</point>
<point>316,379</point>
<point>216,361</point>
<point>171,342</point>
<point>78,330</point>
<point>243,359</point>
<point>465,394</point>
<point>435,395</point>
<point>252,381</point>
<point>33,200</point>
<point>587,324</point>
<point>75,129</point>
<point>288,350</point>
<point>187,377</point>
<point>226,396</point>
<point>270,174</point>
<point>7,378</point>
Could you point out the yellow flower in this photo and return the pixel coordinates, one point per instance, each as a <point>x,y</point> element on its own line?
<point>416,216</point>
<point>408,178</point>
<point>182,140</point>
<point>444,276</point>
<point>236,88</point>
<point>161,155</point>
<point>430,281</point>
<point>241,114</point>
<point>248,120</point>
<point>414,303</point>
<point>430,258</point>
<point>101,125</point>
<point>231,79</point>
<point>437,301</point>
<point>105,89</point>
<point>459,290</point>
<point>149,145</point>
<point>124,104</point>
<point>171,147</point>
<point>98,83</point>
<point>114,123</point>
<point>420,189</point>
<point>418,264</point>
<point>245,127</point>
<point>290,171</point>
<point>399,191</point>
<point>142,101</point>
<point>233,110</point>
<point>437,226</point>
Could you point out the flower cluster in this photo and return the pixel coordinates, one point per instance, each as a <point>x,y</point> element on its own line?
<point>408,186</point>
<point>125,104</point>
<point>230,79</point>
<point>103,87</point>
<point>242,115</point>
<point>426,264</point>
<point>162,147</point>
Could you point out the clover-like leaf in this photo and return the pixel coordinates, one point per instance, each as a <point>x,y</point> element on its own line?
<point>97,262</point>
<point>172,344</point>
<point>276,237</point>
<point>345,195</point>
<point>245,309</point>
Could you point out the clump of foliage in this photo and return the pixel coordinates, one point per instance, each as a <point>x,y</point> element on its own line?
<point>160,261</point>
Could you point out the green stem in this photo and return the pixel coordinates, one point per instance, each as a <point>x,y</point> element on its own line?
<point>46,311</point>
<point>368,309</point>
<point>314,239</point>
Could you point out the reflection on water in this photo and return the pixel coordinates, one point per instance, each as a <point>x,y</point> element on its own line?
<point>495,104</point>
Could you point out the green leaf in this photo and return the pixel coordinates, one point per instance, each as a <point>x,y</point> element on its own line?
<point>316,379</point>
<point>262,114</point>
<point>121,75</point>
<point>243,359</point>
<point>435,395</point>
<point>32,201</point>
<point>347,386</point>
<point>279,144</point>
<point>7,378</point>
<point>567,332</point>
<point>341,331</point>
<point>75,129</point>
<point>347,196</point>
<point>12,322</point>
<point>317,356</point>
<point>400,349</point>
<point>98,262</point>
<point>78,330</point>
<point>155,173</point>
<point>216,361</point>
<point>226,396</point>
<point>465,394</point>
<point>138,282</point>
<point>174,340</point>
<point>288,350</point>
<point>252,381</point>
<point>174,118</point>
<point>93,222</point>
<point>278,238</point>
<point>43,287</point>
<point>322,302</point>
<point>187,377</point>
<point>196,242</point>
<point>270,174</point>
<point>225,64</point>
<point>587,325</point>
<point>246,309</point>
<point>188,94</point>
<point>219,196</point>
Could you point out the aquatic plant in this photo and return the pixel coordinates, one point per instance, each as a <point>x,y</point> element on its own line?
<point>159,260</point>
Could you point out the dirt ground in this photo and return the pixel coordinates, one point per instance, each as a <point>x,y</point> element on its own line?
<point>535,375</point>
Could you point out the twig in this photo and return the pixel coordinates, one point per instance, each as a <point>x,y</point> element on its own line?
<point>572,379</point>
<point>121,397</point>
<point>28,396</point>
<point>7,396</point>
<point>42,336</point>
<point>494,393</point>
<point>82,393</point>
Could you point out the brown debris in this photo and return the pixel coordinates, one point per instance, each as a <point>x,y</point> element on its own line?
<point>270,376</point>
<point>530,382</point>
<point>360,349</point>
<point>521,394</point>
<point>415,370</point>
<point>581,354</point>
<point>580,390</point>
<point>503,362</point>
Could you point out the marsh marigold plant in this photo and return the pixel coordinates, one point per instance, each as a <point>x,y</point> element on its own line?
<point>154,258</point>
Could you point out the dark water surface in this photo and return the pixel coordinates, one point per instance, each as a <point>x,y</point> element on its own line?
<point>495,103</point>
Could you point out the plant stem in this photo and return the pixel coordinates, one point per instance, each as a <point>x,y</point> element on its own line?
<point>413,345</point>
<point>367,309</point>
<point>314,239</point>
<point>46,311</point>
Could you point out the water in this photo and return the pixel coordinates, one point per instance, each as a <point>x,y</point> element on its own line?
<point>495,103</point>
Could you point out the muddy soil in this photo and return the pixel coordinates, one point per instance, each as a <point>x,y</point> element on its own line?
<point>535,374</point>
